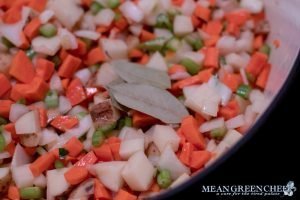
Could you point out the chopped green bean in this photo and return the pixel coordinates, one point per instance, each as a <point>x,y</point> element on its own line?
<point>30,53</point>
<point>98,138</point>
<point>218,133</point>
<point>164,179</point>
<point>2,142</point>
<point>31,193</point>
<point>128,121</point>
<point>108,127</point>
<point>153,45</point>
<point>48,30</point>
<point>190,65</point>
<point>51,99</point>
<point>244,91</point>
<point>95,7</point>
<point>266,49</point>
<point>163,21</point>
<point>113,3</point>
<point>59,164</point>
<point>3,121</point>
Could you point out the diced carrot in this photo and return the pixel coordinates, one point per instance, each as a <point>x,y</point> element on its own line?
<point>177,2</point>
<point>144,60</point>
<point>232,80</point>
<point>135,53</point>
<point>10,148</point>
<point>256,64</point>
<point>212,3</point>
<point>5,107</point>
<point>202,12</point>
<point>115,148</point>
<point>196,21</point>
<point>186,153</point>
<point>88,159</point>
<point>76,175</point>
<point>191,132</point>
<point>43,117</point>
<point>44,68</point>
<point>211,57</point>
<point>100,192</point>
<point>63,54</point>
<point>200,119</point>
<point>75,92</point>
<point>64,123</point>
<point>113,140</point>
<point>24,42</point>
<point>74,146</point>
<point>213,27</point>
<point>69,66</point>
<point>187,82</point>
<point>124,195</point>
<point>103,29</point>
<point>86,3</point>
<point>211,41</point>
<point>181,136</point>
<point>41,164</point>
<point>36,89</point>
<point>16,92</point>
<point>10,127</point>
<point>30,150</point>
<point>231,110</point>
<point>176,68</point>
<point>103,152</point>
<point>140,120</point>
<point>13,193</point>
<point>31,30</point>
<point>146,36</point>
<point>38,5</point>
<point>22,68</point>
<point>95,56</point>
<point>5,84</point>
<point>258,42</point>
<point>239,17</point>
<point>199,159</point>
<point>263,76</point>
<point>233,29</point>
<point>65,83</point>
<point>81,49</point>
<point>121,23</point>
<point>12,15</point>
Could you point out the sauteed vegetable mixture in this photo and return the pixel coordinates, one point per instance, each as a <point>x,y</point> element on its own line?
<point>115,99</point>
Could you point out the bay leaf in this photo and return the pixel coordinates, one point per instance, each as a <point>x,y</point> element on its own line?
<point>150,100</point>
<point>135,73</point>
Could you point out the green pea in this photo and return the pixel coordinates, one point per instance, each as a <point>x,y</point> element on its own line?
<point>48,30</point>
<point>164,179</point>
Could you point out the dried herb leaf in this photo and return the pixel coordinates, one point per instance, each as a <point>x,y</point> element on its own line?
<point>150,100</point>
<point>135,73</point>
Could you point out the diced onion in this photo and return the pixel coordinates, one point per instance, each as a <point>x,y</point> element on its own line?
<point>211,125</point>
<point>235,122</point>
<point>92,35</point>
<point>131,11</point>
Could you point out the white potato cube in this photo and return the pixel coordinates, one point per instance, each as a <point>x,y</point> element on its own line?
<point>109,174</point>
<point>165,135</point>
<point>129,147</point>
<point>48,46</point>
<point>28,123</point>
<point>104,17</point>
<point>105,75</point>
<point>114,48</point>
<point>232,137</point>
<point>158,62</point>
<point>183,25</point>
<point>22,176</point>
<point>138,172</point>
<point>168,160</point>
<point>56,182</point>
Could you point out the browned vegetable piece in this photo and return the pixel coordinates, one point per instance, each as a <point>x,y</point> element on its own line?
<point>104,113</point>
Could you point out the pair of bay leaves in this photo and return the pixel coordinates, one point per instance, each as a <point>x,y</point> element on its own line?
<point>144,89</point>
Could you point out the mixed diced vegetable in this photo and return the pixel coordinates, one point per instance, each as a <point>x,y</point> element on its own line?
<point>114,99</point>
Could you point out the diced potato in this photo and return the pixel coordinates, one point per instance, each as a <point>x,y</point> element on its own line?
<point>232,137</point>
<point>129,147</point>
<point>168,160</point>
<point>114,48</point>
<point>104,17</point>
<point>204,100</point>
<point>56,182</point>
<point>131,11</point>
<point>109,174</point>
<point>22,176</point>
<point>20,157</point>
<point>66,11</point>
<point>28,123</point>
<point>105,75</point>
<point>138,172</point>
<point>181,179</point>
<point>183,25</point>
<point>158,62</point>
<point>165,135</point>
<point>40,181</point>
<point>16,111</point>
<point>48,46</point>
